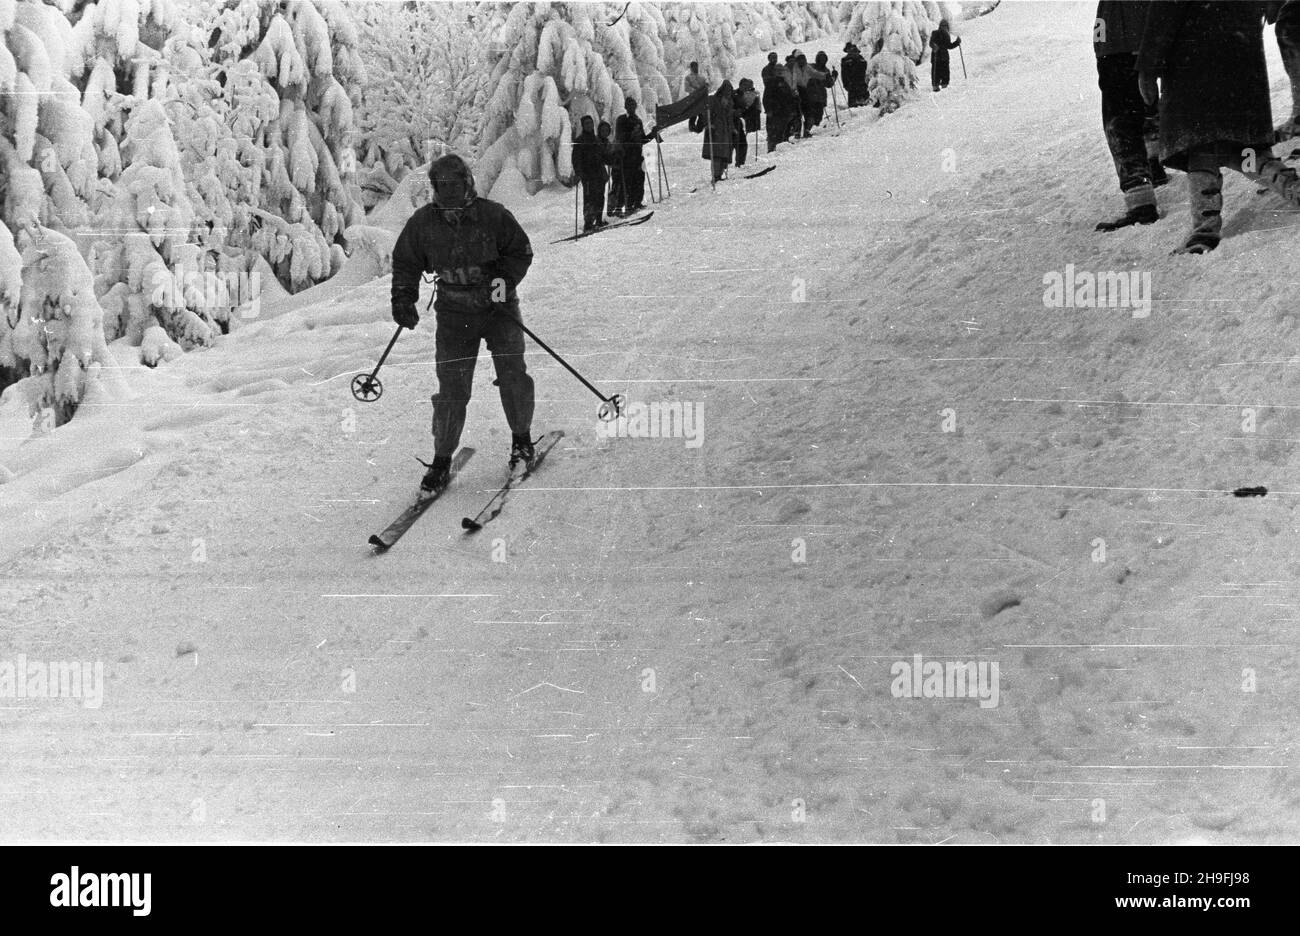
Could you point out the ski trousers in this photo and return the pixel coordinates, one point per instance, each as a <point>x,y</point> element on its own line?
<point>1132,128</point>
<point>456,352</point>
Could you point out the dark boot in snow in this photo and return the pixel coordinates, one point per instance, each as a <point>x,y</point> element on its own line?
<point>1206,190</point>
<point>1158,175</point>
<point>1142,214</point>
<point>436,478</point>
<point>521,450</point>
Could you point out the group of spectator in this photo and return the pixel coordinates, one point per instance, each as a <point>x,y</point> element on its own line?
<point>1186,86</point>
<point>794,95</point>
<point>611,155</point>
<point>794,100</point>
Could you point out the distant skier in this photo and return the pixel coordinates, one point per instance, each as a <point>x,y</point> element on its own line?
<point>941,41</point>
<point>630,137</point>
<point>1214,104</point>
<point>853,68</point>
<point>748,115</point>
<point>820,79</point>
<point>793,73</point>
<point>590,169</point>
<point>612,158</point>
<point>1131,125</point>
<point>719,130</point>
<point>805,78</point>
<point>690,84</point>
<point>782,110</point>
<point>479,254</point>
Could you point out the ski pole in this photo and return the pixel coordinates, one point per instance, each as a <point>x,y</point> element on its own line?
<point>835,101</point>
<point>366,387</point>
<point>663,168</point>
<point>712,145</point>
<point>611,407</point>
<point>963,62</point>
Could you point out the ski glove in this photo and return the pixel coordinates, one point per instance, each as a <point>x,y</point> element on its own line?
<point>406,315</point>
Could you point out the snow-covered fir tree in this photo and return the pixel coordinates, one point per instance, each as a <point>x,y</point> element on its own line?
<point>424,90</point>
<point>894,36</point>
<point>306,53</point>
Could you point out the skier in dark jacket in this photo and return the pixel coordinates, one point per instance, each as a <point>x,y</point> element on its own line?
<point>719,130</point>
<point>820,79</point>
<point>629,137</point>
<point>748,115</point>
<point>941,41</point>
<point>782,110</point>
<point>766,74</point>
<point>479,254</point>
<point>1131,125</point>
<point>1214,103</point>
<point>853,68</point>
<point>589,167</point>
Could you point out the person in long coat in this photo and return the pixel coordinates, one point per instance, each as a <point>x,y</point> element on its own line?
<point>1131,126</point>
<point>782,108</point>
<point>853,68</point>
<point>591,171</point>
<point>941,41</point>
<point>720,130</point>
<point>1214,103</point>
<point>748,115</point>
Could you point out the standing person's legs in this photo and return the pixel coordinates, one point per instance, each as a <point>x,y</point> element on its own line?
<point>1123,118</point>
<point>593,201</point>
<point>633,184</point>
<point>1288,41</point>
<point>1151,137</point>
<point>638,182</point>
<point>1205,193</point>
<point>456,344</point>
<point>742,150</point>
<point>617,192</point>
<point>506,343</point>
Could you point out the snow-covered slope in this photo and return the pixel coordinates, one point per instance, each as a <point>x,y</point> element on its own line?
<point>650,661</point>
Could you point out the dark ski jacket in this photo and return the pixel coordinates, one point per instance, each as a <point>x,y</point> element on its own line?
<point>589,158</point>
<point>818,81</point>
<point>750,112</point>
<point>940,43</point>
<point>629,137</point>
<point>1119,25</point>
<point>466,249</point>
<point>853,68</point>
<point>780,102</point>
<point>1214,81</point>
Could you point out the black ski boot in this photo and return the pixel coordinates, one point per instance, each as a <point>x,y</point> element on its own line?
<point>436,478</point>
<point>1158,175</point>
<point>1142,214</point>
<point>521,450</point>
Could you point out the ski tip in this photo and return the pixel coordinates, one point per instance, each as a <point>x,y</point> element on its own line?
<point>379,544</point>
<point>469,525</point>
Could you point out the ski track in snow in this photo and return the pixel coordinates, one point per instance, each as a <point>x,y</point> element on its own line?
<point>205,538</point>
